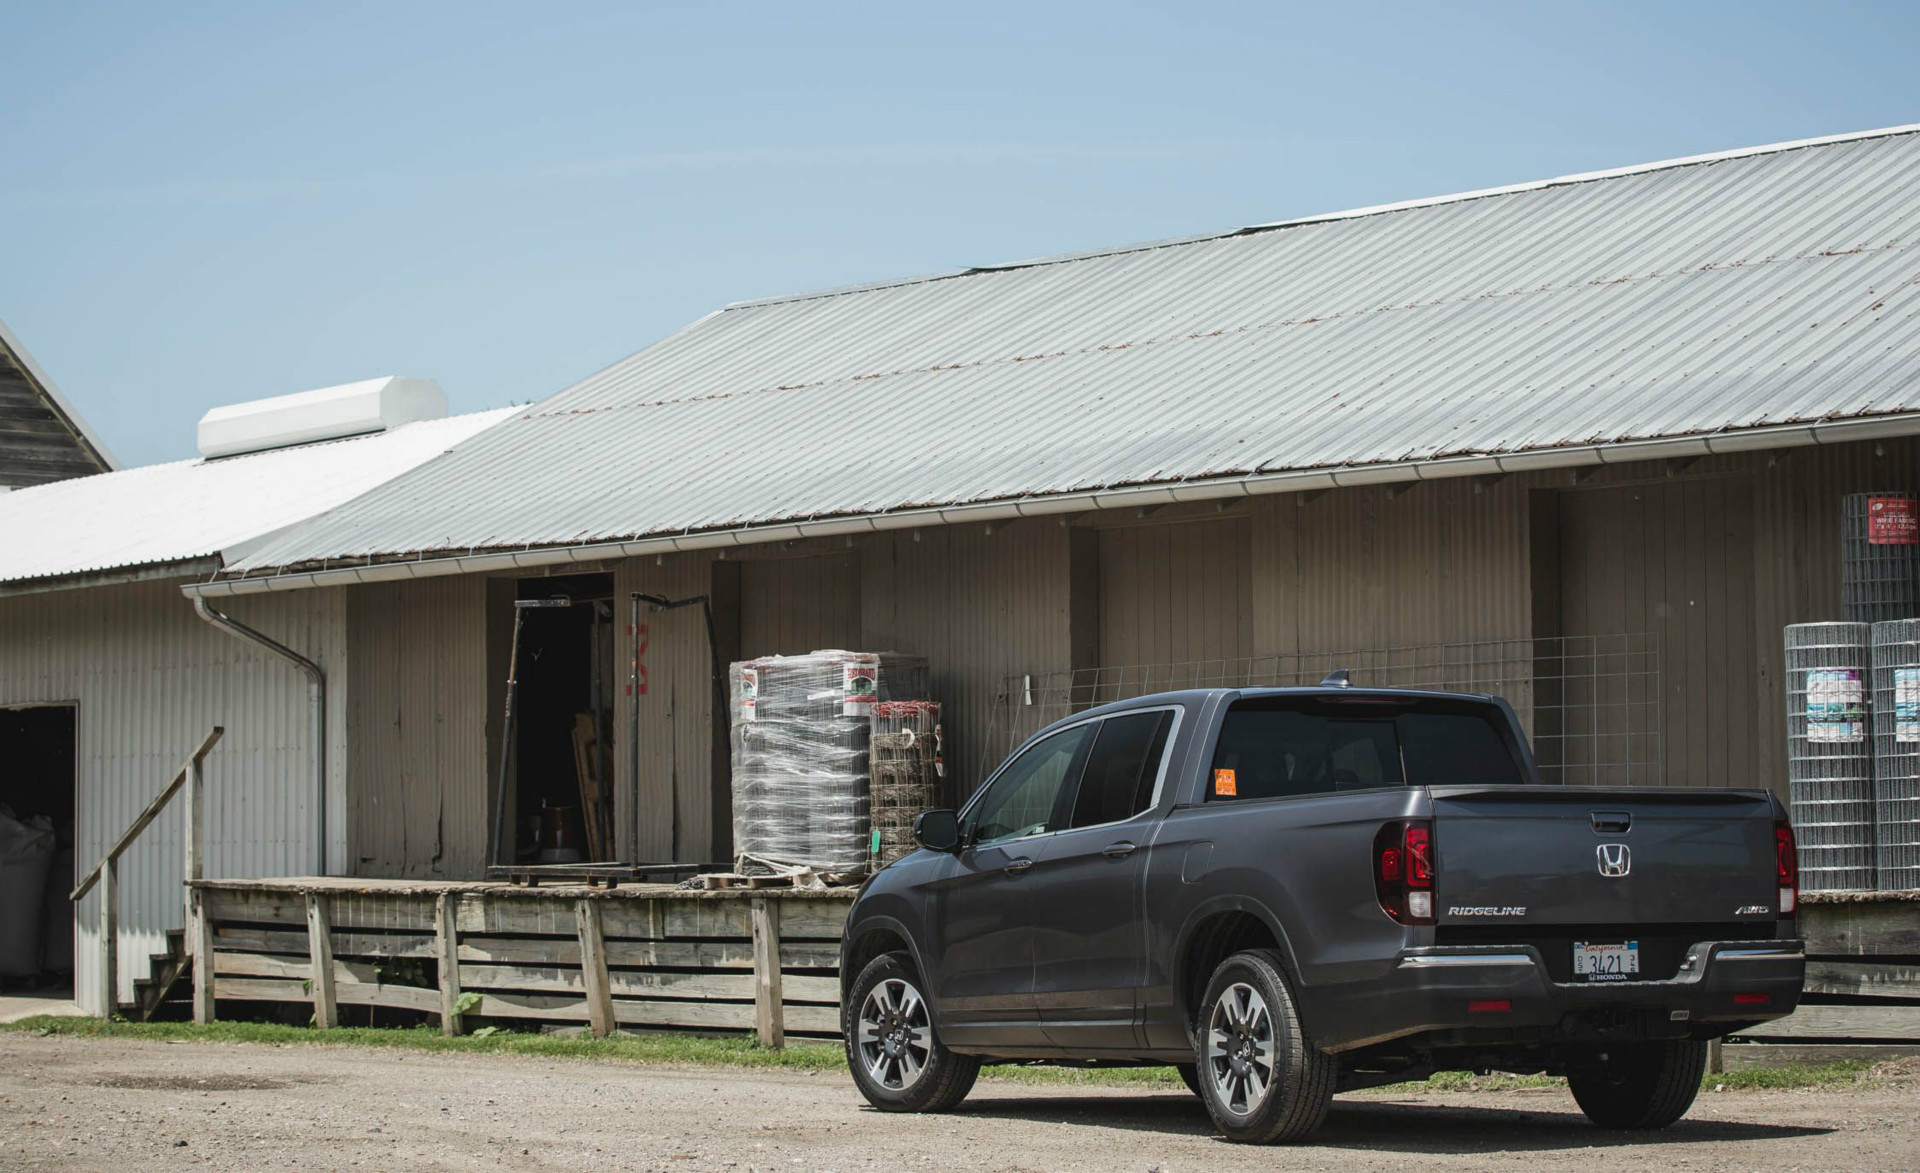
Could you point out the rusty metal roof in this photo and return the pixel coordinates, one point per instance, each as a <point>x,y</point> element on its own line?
<point>1701,296</point>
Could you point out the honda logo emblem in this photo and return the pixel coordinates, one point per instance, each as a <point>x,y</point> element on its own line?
<point>1615,859</point>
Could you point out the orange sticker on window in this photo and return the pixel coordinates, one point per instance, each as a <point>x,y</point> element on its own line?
<point>1224,785</point>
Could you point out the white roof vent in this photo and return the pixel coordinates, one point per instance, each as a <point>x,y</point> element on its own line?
<point>351,409</point>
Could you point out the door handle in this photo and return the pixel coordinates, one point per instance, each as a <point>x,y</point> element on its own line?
<point>1018,867</point>
<point>1120,850</point>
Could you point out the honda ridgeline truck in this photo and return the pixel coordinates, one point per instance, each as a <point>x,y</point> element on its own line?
<point>1292,892</point>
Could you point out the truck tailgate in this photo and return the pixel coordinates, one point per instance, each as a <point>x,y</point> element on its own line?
<point>1535,856</point>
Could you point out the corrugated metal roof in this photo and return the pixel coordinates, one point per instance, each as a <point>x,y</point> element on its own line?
<point>1729,292</point>
<point>190,509</point>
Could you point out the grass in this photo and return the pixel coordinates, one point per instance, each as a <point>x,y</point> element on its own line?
<point>679,1050</point>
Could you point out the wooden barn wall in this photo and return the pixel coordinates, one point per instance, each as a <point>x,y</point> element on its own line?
<point>1386,567</point>
<point>793,605</point>
<point>1176,592</point>
<point>980,606</point>
<point>417,726</point>
<point>150,679</point>
<point>673,818</point>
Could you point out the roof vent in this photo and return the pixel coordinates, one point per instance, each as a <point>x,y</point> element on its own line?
<point>351,409</point>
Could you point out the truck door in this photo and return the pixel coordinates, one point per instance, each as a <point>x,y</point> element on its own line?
<point>982,909</point>
<point>1088,936</point>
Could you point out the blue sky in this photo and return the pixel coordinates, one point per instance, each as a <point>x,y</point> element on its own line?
<point>208,203</point>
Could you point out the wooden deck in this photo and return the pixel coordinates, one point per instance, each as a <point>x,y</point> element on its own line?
<point>647,956</point>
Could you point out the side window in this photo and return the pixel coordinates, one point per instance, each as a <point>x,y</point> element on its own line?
<point>1025,795</point>
<point>1277,753</point>
<point>1122,768</point>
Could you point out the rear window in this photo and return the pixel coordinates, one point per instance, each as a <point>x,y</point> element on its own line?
<point>1279,747</point>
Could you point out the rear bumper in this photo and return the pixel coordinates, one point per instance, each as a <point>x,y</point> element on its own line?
<point>1467,995</point>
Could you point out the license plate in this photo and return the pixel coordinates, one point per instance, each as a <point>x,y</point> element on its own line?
<point>1616,962</point>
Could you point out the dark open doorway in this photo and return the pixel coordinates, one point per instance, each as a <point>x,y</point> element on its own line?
<point>38,760</point>
<point>563,723</point>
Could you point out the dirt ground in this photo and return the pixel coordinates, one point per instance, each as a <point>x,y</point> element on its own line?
<point>92,1104</point>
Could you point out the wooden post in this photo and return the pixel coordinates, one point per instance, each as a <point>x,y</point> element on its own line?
<point>200,945</point>
<point>109,936</point>
<point>593,967</point>
<point>446,943</point>
<point>1716,1059</point>
<point>769,1021</point>
<point>326,1012</point>
<point>196,820</point>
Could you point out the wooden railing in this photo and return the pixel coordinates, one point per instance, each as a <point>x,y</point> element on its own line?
<point>106,873</point>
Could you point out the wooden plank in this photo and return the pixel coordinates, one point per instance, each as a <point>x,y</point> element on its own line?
<point>560,1007</point>
<point>264,965</point>
<point>394,997</point>
<point>804,988</point>
<point>260,989</point>
<point>347,909</point>
<point>345,943</point>
<point>200,932</point>
<point>593,967</point>
<point>769,1024</point>
<point>195,818</point>
<point>1861,928</point>
<point>447,954</point>
<point>1742,1055</point>
<point>326,1011</point>
<point>1897,1023</point>
<point>109,872</point>
<point>1864,978</point>
<point>813,1020</point>
<point>666,954</point>
<point>703,1015</point>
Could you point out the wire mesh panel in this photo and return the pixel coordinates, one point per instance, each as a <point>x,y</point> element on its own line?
<point>1591,704</point>
<point>1879,539</point>
<point>1896,753</point>
<point>908,773</point>
<point>1829,754</point>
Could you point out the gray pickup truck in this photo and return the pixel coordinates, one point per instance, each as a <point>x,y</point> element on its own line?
<point>1291,892</point>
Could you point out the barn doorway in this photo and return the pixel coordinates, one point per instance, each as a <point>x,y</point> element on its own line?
<point>563,722</point>
<point>38,779</point>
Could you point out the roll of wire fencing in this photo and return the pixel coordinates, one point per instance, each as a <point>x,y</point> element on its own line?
<point>1830,754</point>
<point>1896,754</point>
<point>801,726</point>
<point>1879,545</point>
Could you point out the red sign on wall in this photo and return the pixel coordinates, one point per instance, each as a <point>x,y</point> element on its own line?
<point>1892,521</point>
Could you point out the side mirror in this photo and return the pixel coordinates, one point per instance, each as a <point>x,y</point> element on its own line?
<point>937,830</point>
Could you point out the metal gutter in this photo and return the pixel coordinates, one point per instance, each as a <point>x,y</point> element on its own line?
<point>316,700</point>
<point>184,568</point>
<point>1214,489</point>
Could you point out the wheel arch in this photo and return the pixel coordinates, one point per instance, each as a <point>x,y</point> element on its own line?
<point>1215,931</point>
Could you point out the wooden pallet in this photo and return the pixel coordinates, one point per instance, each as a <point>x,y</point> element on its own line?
<point>717,880</point>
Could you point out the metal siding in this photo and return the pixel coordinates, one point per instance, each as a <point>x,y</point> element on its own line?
<point>981,603</point>
<point>151,679</point>
<point>790,606</point>
<point>676,716</point>
<point>1175,592</point>
<point>1445,562</point>
<point>1676,300</point>
<point>417,779</point>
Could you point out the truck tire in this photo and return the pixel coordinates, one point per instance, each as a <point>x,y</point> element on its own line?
<point>897,1060</point>
<point>1638,1085</point>
<point>1263,1082</point>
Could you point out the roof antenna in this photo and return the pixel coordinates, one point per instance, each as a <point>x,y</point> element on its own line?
<point>1338,678</point>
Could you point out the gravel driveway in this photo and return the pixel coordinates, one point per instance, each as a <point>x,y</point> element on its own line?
<point>117,1105</point>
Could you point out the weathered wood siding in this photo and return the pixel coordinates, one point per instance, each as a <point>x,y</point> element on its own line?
<point>417,728</point>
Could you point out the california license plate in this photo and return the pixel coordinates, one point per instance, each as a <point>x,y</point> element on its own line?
<point>1614,962</point>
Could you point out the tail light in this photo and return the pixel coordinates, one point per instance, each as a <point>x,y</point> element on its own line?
<point>1403,871</point>
<point>1786,861</point>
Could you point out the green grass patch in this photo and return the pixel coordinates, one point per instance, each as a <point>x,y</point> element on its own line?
<point>681,1050</point>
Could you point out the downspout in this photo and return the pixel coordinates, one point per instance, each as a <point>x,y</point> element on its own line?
<point>316,699</point>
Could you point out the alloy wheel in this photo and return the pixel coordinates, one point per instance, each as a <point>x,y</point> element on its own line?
<point>893,1034</point>
<point>1240,1049</point>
